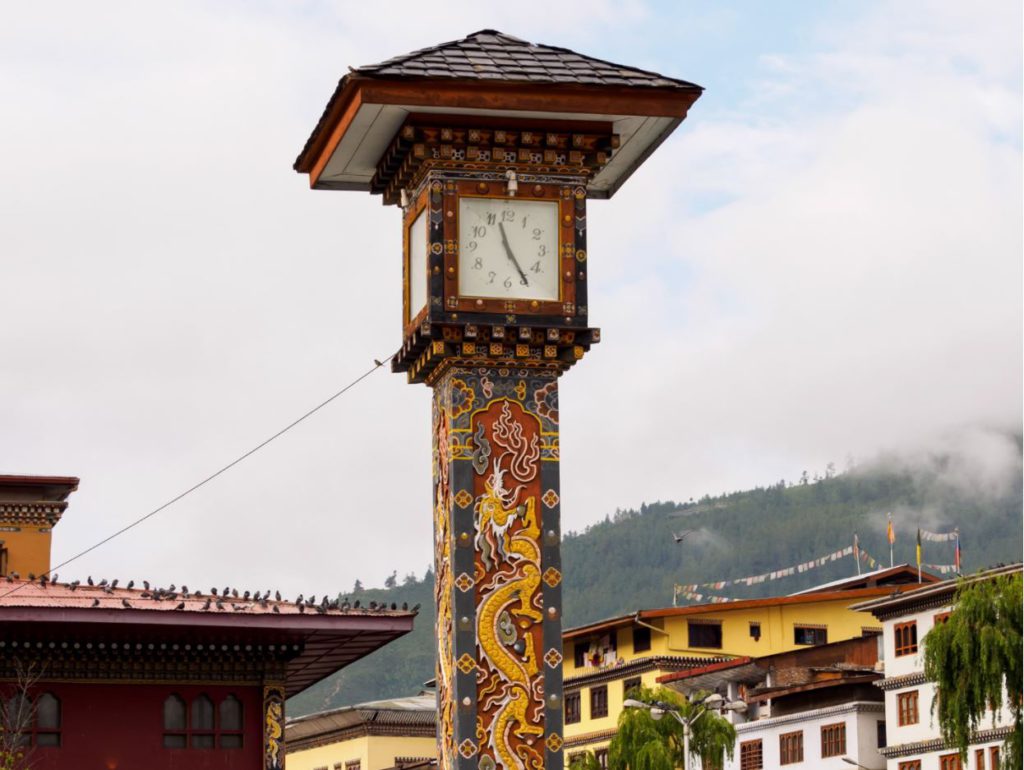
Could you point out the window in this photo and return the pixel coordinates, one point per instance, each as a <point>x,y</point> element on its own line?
<point>175,732</point>
<point>833,740</point>
<point>913,764</point>
<point>906,708</point>
<point>950,762</point>
<point>880,733</point>
<point>572,707</point>
<point>751,755</point>
<point>579,654</point>
<point>993,758</point>
<point>202,723</point>
<point>641,639</point>
<point>601,755</point>
<point>201,726</point>
<point>979,759</point>
<point>810,635</point>
<point>755,630</point>
<point>791,748</point>
<point>705,634</point>
<point>3,561</point>
<point>942,617</point>
<point>630,685</point>
<point>353,764</point>
<point>599,701</point>
<point>574,757</point>
<point>231,723</point>
<point>36,723</point>
<point>906,638</point>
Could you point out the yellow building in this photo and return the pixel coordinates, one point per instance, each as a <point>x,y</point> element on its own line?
<point>383,734</point>
<point>603,661</point>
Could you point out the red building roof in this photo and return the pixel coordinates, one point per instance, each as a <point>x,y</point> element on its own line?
<point>319,640</point>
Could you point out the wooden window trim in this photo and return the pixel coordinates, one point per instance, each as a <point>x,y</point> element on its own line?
<point>791,747</point>
<point>979,759</point>
<point>907,711</point>
<point>910,764</point>
<point>631,684</point>
<point>599,709</point>
<point>833,740</point>
<point>601,755</point>
<point>950,762</point>
<point>817,633</point>
<point>640,645</point>
<point>217,733</point>
<point>993,758</point>
<point>691,625</point>
<point>573,708</point>
<point>905,635</point>
<point>751,755</point>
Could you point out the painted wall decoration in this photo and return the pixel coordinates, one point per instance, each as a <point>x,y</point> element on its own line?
<point>273,727</point>
<point>498,569</point>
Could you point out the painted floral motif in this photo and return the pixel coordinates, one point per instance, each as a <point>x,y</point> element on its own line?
<point>546,401</point>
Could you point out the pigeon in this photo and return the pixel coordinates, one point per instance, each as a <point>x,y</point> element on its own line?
<point>146,595</point>
<point>181,606</point>
<point>681,537</point>
<point>213,591</point>
<point>184,589</point>
<point>102,583</point>
<point>206,606</point>
<point>95,602</point>
<point>220,604</point>
<point>145,584</point>
<point>108,590</point>
<point>171,587</point>
<point>53,578</point>
<point>89,580</point>
<point>114,584</point>
<point>234,592</point>
<point>321,609</point>
<point>405,606</point>
<point>73,585</point>
<point>125,603</point>
<point>131,585</point>
<point>298,599</point>
<point>355,604</point>
<point>31,576</point>
<point>275,609</point>
<point>416,607</point>
<point>277,595</point>
<point>246,596</point>
<point>302,608</point>
<point>10,579</point>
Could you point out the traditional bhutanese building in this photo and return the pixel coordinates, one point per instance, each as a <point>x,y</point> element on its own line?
<point>97,674</point>
<point>914,741</point>
<point>602,662</point>
<point>396,733</point>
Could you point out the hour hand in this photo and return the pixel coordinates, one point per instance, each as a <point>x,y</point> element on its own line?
<point>511,256</point>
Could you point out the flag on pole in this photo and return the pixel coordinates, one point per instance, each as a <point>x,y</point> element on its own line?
<point>956,552</point>
<point>891,533</point>
<point>918,554</point>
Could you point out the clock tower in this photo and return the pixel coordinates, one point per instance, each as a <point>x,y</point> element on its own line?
<point>491,147</point>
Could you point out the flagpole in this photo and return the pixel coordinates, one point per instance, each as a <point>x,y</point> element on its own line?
<point>856,552</point>
<point>891,538</point>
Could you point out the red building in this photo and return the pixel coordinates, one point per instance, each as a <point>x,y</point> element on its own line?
<point>129,676</point>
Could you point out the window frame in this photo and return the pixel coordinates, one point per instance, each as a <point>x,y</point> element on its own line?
<point>189,733</point>
<point>692,625</point>
<point>817,634</point>
<point>979,759</point>
<point>993,758</point>
<point>905,638</point>
<point>571,715</point>
<point>791,747</point>
<point>905,703</point>
<point>633,683</point>
<point>833,736</point>
<point>30,735</point>
<point>950,762</point>
<point>881,734</point>
<point>910,764</point>
<point>601,755</point>
<point>599,693</point>
<point>643,646</point>
<point>747,762</point>
<point>579,654</point>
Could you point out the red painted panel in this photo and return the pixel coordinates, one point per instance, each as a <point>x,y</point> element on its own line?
<point>120,727</point>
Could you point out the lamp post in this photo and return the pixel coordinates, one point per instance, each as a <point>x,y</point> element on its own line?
<point>853,762</point>
<point>713,702</point>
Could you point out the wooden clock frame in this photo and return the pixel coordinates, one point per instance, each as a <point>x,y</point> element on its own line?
<point>440,195</point>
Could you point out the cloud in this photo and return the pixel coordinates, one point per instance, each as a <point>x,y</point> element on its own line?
<point>828,266</point>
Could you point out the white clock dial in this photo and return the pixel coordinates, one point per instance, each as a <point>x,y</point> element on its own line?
<point>417,267</point>
<point>508,248</point>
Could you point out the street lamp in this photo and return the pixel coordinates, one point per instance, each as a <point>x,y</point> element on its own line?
<point>854,762</point>
<point>713,702</point>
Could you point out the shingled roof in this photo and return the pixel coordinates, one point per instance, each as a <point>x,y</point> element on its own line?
<point>493,55</point>
<point>489,75</point>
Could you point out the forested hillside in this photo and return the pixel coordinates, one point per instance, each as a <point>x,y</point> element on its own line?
<point>631,559</point>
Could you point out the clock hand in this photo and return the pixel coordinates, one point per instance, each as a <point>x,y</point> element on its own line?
<point>511,256</point>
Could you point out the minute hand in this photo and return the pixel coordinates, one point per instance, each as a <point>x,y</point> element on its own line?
<point>511,256</point>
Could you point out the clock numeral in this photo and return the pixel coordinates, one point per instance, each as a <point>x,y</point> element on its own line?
<point>491,218</point>
<point>507,283</point>
<point>478,263</point>
<point>542,250</point>
<point>536,233</point>
<point>535,267</point>
<point>523,220</point>
<point>492,275</point>
<point>479,231</point>
<point>508,216</point>
<point>471,246</point>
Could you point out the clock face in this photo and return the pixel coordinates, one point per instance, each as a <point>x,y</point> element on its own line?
<point>508,248</point>
<point>417,267</point>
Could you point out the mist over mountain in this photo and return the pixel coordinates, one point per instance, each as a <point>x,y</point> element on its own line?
<point>631,558</point>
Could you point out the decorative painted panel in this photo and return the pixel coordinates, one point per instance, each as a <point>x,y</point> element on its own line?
<point>498,569</point>
<point>273,727</point>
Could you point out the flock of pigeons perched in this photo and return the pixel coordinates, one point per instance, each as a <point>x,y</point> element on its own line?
<point>220,600</point>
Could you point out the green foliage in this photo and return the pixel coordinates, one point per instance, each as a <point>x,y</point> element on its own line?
<point>585,760</point>
<point>974,658</point>
<point>630,559</point>
<point>645,743</point>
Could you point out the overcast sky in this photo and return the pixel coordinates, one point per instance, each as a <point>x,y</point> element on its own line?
<point>823,262</point>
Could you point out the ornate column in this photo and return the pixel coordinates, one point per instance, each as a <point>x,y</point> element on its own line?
<point>273,727</point>
<point>498,569</point>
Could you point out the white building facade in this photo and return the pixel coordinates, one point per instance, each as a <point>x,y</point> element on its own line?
<point>913,738</point>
